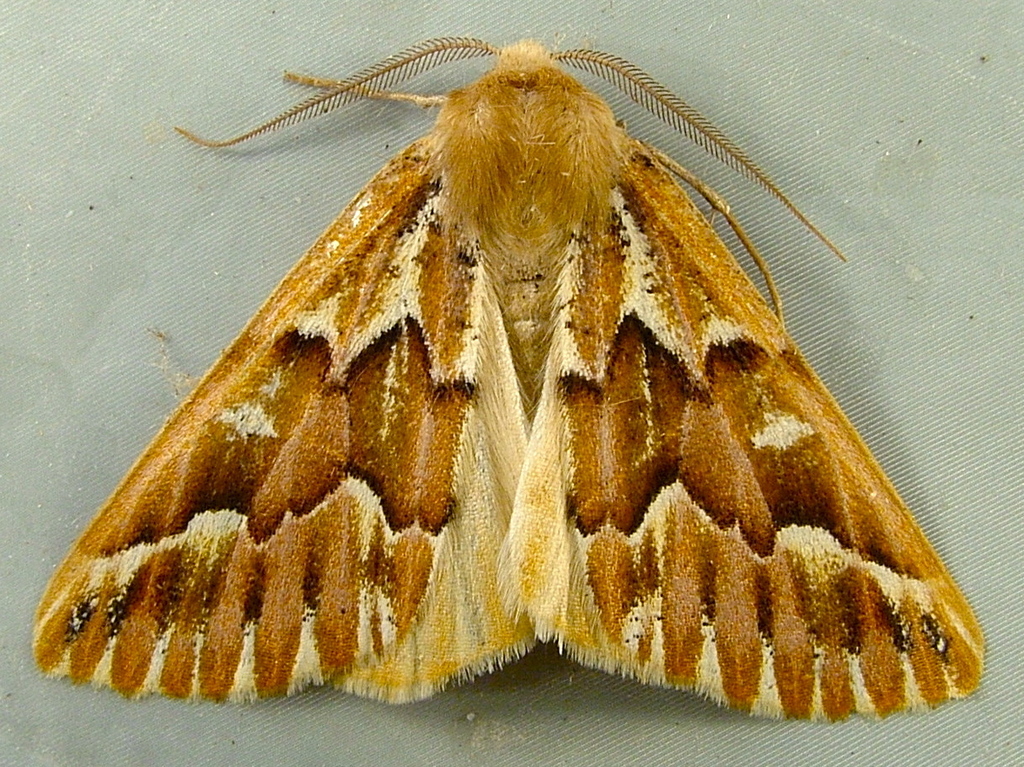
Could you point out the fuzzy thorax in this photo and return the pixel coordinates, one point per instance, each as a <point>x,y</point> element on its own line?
<point>526,152</point>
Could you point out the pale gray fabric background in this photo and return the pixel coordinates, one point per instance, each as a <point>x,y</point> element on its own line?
<point>895,126</point>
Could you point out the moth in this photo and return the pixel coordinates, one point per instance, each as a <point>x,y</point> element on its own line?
<point>519,390</point>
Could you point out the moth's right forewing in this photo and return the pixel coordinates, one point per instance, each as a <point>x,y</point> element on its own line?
<point>695,510</point>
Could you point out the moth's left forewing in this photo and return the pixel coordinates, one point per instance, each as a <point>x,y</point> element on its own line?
<point>695,510</point>
<point>327,504</point>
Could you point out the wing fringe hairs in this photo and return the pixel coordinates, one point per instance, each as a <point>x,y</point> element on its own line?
<point>519,389</point>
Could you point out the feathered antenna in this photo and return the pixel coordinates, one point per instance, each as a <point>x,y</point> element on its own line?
<point>364,84</point>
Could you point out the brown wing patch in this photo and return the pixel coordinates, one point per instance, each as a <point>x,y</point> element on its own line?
<point>406,430</point>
